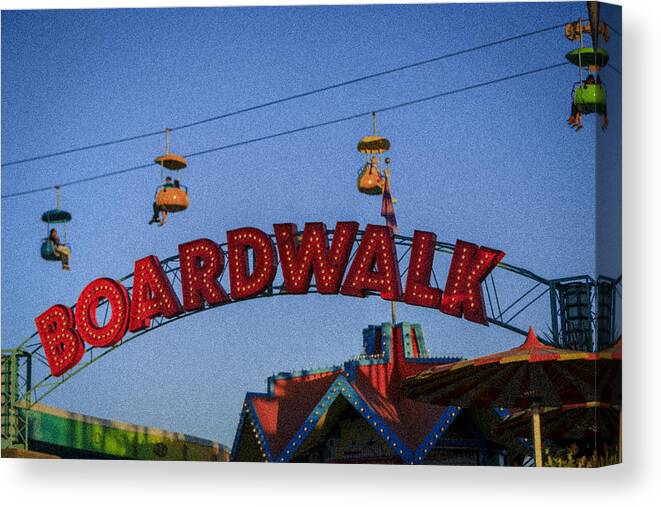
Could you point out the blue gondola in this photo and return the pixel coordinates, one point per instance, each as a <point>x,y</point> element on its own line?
<point>51,217</point>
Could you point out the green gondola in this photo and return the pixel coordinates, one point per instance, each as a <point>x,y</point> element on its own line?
<point>590,98</point>
<point>589,93</point>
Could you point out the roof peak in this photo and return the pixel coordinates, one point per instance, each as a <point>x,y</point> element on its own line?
<point>531,340</point>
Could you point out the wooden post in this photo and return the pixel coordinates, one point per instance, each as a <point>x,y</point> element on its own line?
<point>393,304</point>
<point>537,434</point>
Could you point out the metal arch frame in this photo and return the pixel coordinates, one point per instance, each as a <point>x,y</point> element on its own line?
<point>16,385</point>
<point>500,312</point>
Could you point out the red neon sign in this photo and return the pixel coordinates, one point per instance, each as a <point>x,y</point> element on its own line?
<point>119,302</point>
<point>313,256</point>
<point>62,345</point>
<point>375,266</point>
<point>153,295</point>
<point>463,290</point>
<point>418,291</point>
<point>201,262</point>
<point>303,256</point>
<point>240,242</point>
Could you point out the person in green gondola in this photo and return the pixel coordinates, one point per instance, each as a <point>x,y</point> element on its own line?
<point>575,119</point>
<point>157,209</point>
<point>61,251</point>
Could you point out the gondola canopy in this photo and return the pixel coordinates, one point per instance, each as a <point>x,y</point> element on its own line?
<point>373,145</point>
<point>171,161</point>
<point>586,57</point>
<point>56,216</point>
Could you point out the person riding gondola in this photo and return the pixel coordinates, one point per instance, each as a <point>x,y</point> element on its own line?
<point>575,119</point>
<point>160,209</point>
<point>170,197</point>
<point>61,251</point>
<point>589,94</point>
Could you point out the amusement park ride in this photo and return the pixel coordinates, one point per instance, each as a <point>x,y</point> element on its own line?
<point>589,94</point>
<point>370,178</point>
<point>576,312</point>
<point>170,198</point>
<point>51,217</point>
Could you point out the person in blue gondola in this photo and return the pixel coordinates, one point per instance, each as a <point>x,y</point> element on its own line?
<point>158,209</point>
<point>60,250</point>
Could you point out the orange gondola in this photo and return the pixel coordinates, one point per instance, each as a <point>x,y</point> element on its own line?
<point>171,197</point>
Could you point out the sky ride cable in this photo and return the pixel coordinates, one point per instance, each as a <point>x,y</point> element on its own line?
<point>299,129</point>
<point>284,99</point>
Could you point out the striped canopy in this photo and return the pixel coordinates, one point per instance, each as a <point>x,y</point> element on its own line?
<point>532,373</point>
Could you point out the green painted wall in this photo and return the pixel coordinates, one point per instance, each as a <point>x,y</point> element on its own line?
<point>87,435</point>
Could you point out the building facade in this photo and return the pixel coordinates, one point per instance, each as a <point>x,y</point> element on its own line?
<point>357,413</point>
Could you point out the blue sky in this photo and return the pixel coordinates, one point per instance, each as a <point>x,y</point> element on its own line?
<point>497,166</point>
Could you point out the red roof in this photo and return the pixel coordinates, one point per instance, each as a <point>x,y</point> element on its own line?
<point>375,379</point>
<point>283,413</point>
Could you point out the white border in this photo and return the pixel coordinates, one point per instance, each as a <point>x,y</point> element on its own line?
<point>637,482</point>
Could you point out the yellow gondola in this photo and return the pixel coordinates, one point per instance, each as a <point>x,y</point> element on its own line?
<point>370,178</point>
